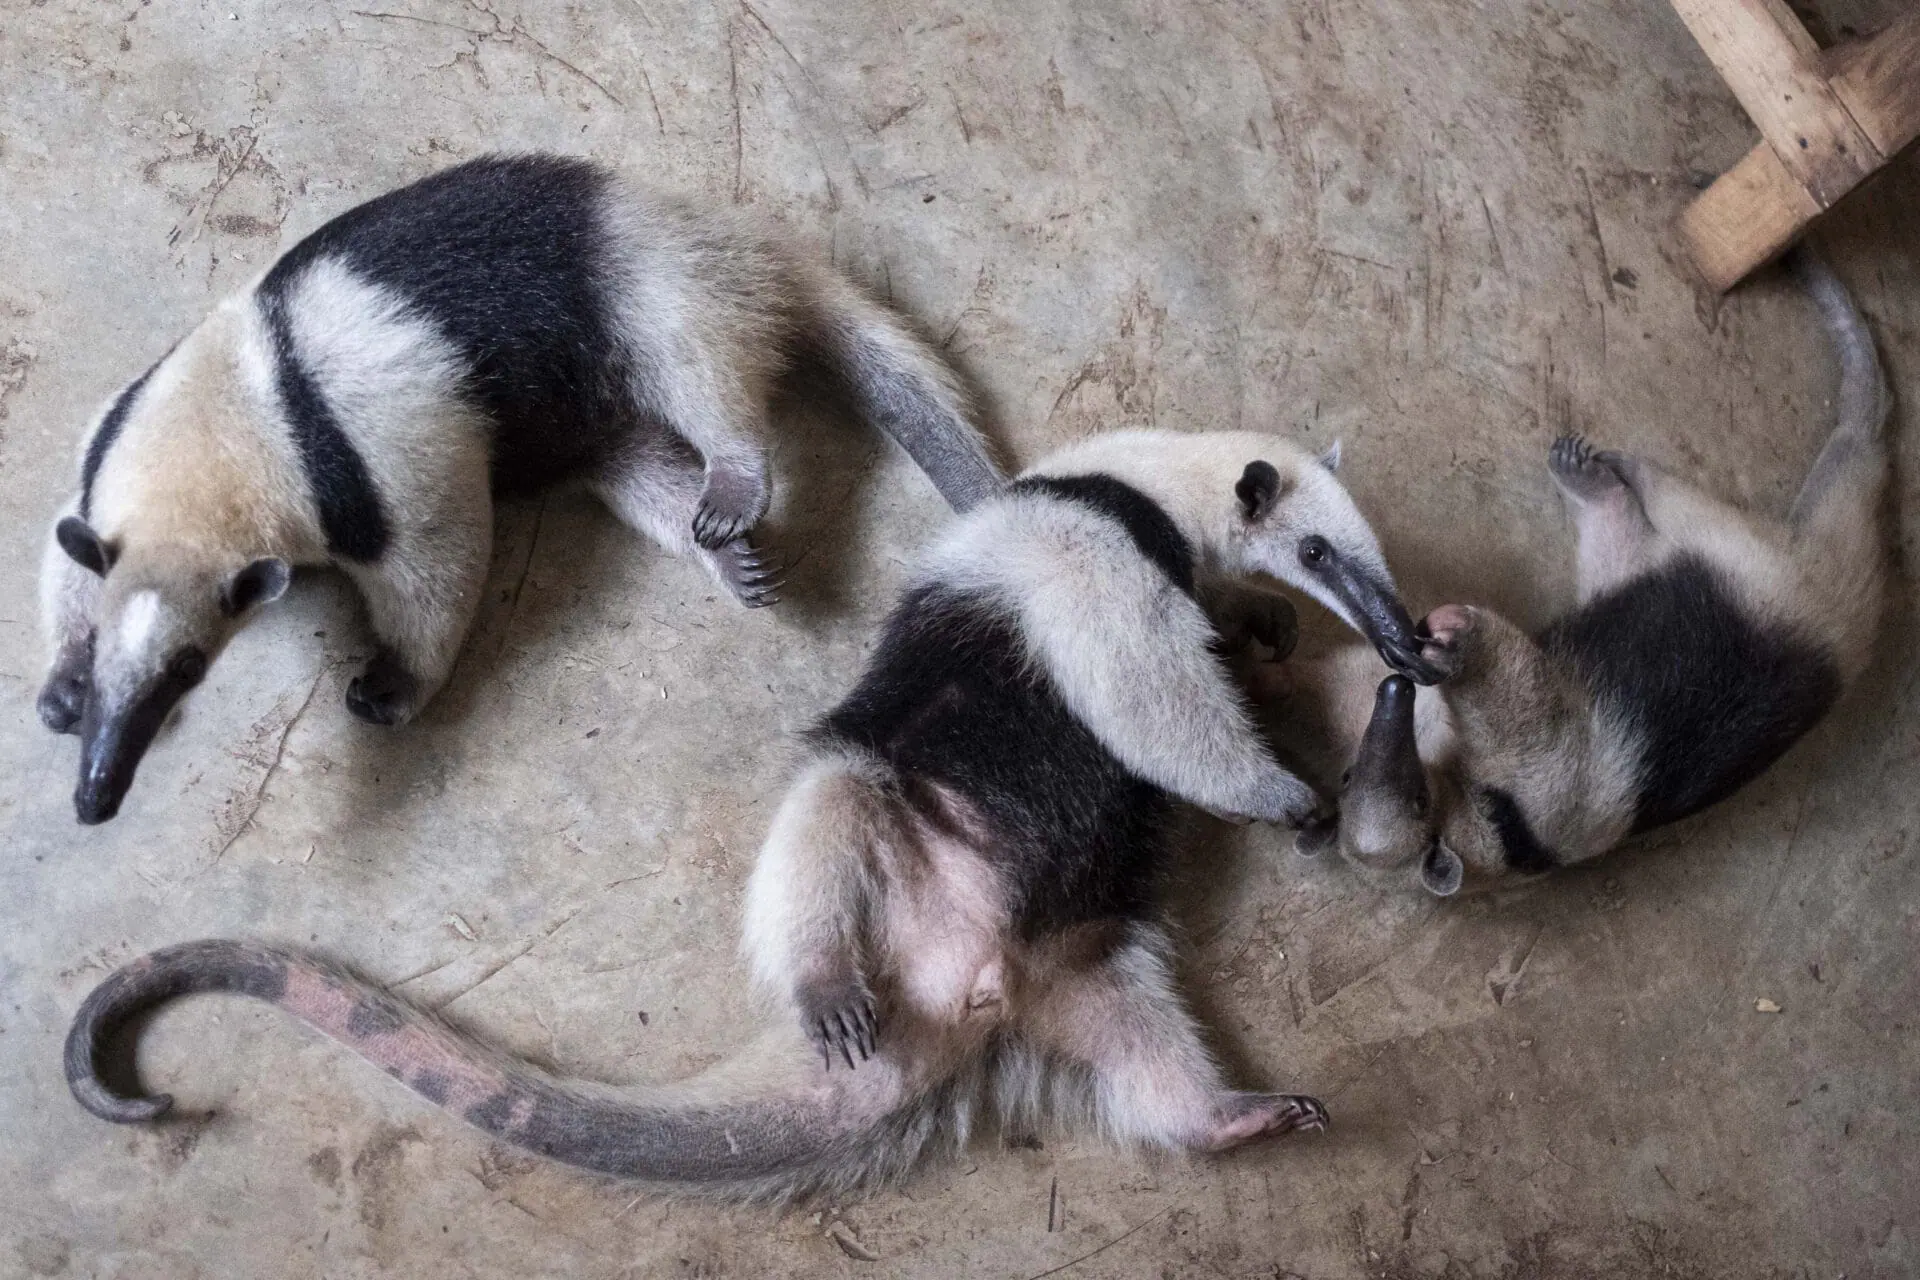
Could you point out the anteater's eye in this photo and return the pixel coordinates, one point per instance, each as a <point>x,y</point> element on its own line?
<point>1314,551</point>
<point>1420,806</point>
<point>188,666</point>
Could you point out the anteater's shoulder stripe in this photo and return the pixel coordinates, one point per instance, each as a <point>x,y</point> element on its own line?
<point>511,261</point>
<point>104,436</point>
<point>1146,521</point>
<point>351,514</point>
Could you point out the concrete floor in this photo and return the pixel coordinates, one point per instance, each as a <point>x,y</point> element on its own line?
<point>1432,229</point>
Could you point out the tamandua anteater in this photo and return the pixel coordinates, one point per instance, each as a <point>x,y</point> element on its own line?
<point>958,893</point>
<point>1706,641</point>
<point>501,326</point>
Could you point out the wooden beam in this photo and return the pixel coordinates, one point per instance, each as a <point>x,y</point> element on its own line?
<point>1773,67</point>
<point>1759,207</point>
<point>1878,80</point>
<point>1749,216</point>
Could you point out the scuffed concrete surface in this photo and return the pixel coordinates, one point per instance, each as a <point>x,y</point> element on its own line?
<point>1431,229</point>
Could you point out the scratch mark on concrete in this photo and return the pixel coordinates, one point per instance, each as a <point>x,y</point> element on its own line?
<point>226,179</point>
<point>806,105</point>
<point>381,16</point>
<point>647,81</point>
<point>1354,257</point>
<point>981,287</point>
<point>1355,1078</point>
<point>966,130</point>
<point>775,37</point>
<point>1503,980</point>
<point>225,171</point>
<point>739,138</point>
<point>258,795</point>
<point>1593,230</point>
<point>494,970</point>
<point>1092,371</point>
<point>526,569</point>
<point>1094,1253</point>
<point>898,114</point>
<point>1499,258</point>
<point>427,972</point>
<point>505,32</point>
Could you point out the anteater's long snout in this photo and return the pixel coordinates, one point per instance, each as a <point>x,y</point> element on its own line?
<point>1384,808</point>
<point>1389,756</point>
<point>113,740</point>
<point>109,755</point>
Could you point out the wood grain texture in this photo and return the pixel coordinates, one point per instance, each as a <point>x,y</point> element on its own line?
<point>1746,218</point>
<point>1845,113</point>
<point>1878,80</point>
<point>1774,69</point>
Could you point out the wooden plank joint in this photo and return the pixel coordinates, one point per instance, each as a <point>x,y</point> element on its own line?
<point>1827,123</point>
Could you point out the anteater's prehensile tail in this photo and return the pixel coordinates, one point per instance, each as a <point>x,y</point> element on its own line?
<point>897,383</point>
<point>1865,399</point>
<point>725,1137</point>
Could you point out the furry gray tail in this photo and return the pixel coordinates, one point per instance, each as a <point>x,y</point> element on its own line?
<point>1851,467</point>
<point>720,1141</point>
<point>1866,401</point>
<point>899,384</point>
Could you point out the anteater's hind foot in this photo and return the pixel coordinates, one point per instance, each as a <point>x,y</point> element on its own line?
<point>807,900</point>
<point>1586,474</point>
<point>840,1019</point>
<point>752,575</point>
<point>1153,1080</point>
<point>1243,1117</point>
<point>1617,540</point>
<point>660,489</point>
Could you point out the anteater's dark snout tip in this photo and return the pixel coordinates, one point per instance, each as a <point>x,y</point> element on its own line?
<point>1411,664</point>
<point>96,802</point>
<point>1396,693</point>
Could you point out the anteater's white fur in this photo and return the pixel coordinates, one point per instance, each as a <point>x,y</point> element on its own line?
<point>851,880</point>
<point>205,477</point>
<point>889,888</point>
<point>1515,718</point>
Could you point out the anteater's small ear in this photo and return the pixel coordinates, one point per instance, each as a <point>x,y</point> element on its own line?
<point>1442,871</point>
<point>85,547</point>
<point>1330,459</point>
<point>261,582</point>
<point>1258,489</point>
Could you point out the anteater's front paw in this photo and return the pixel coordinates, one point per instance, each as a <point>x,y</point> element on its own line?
<point>1445,635</point>
<point>386,693</point>
<point>1265,616</point>
<point>1289,803</point>
<point>731,503</point>
<point>63,699</point>
<point>839,1017</point>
